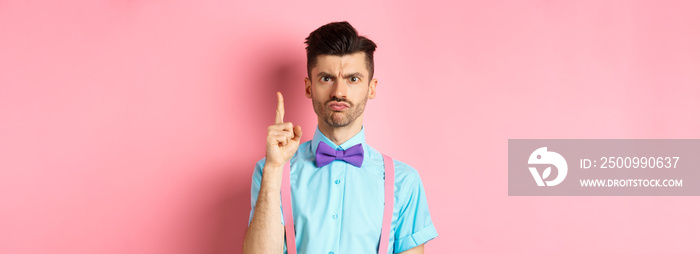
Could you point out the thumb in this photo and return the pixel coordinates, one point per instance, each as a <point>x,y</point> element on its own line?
<point>297,133</point>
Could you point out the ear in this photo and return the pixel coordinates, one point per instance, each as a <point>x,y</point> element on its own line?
<point>373,88</point>
<point>307,87</point>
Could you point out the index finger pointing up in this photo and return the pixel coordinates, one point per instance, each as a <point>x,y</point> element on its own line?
<point>280,109</point>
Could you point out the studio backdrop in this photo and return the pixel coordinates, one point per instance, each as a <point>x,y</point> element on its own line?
<point>134,126</point>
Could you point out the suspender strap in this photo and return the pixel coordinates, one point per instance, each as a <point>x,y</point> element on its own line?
<point>287,211</point>
<point>388,203</point>
<point>386,219</point>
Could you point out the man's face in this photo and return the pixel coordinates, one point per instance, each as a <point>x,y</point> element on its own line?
<point>339,87</point>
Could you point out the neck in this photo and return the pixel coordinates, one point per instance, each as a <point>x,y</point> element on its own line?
<point>340,134</point>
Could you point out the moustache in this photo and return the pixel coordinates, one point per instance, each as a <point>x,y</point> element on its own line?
<point>335,99</point>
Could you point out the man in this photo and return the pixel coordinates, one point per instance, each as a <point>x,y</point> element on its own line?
<point>338,206</point>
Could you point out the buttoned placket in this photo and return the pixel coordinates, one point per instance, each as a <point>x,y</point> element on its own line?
<point>338,173</point>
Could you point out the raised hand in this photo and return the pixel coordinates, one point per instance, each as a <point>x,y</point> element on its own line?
<point>282,138</point>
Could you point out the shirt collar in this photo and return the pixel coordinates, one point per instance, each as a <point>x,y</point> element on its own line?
<point>359,138</point>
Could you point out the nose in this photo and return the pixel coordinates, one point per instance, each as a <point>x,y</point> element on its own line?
<point>340,89</point>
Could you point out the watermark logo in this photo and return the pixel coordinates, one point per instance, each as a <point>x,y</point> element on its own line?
<point>543,157</point>
<point>603,167</point>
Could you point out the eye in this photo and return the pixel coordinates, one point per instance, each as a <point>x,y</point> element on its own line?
<point>325,79</point>
<point>354,79</point>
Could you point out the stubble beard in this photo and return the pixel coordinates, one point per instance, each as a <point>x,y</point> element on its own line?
<point>338,118</point>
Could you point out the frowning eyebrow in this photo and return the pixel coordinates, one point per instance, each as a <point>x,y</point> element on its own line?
<point>349,75</point>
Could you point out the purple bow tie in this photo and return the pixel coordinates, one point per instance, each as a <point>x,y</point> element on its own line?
<point>326,154</point>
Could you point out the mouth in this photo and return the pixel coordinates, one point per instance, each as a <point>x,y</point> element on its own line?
<point>338,106</point>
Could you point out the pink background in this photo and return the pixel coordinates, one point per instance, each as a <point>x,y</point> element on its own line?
<point>134,126</point>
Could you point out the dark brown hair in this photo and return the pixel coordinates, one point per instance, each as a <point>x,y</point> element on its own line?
<point>338,39</point>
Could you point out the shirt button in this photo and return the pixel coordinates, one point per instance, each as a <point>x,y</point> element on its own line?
<point>335,216</point>
<point>337,181</point>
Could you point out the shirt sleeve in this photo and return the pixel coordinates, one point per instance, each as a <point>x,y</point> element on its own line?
<point>414,226</point>
<point>255,190</point>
